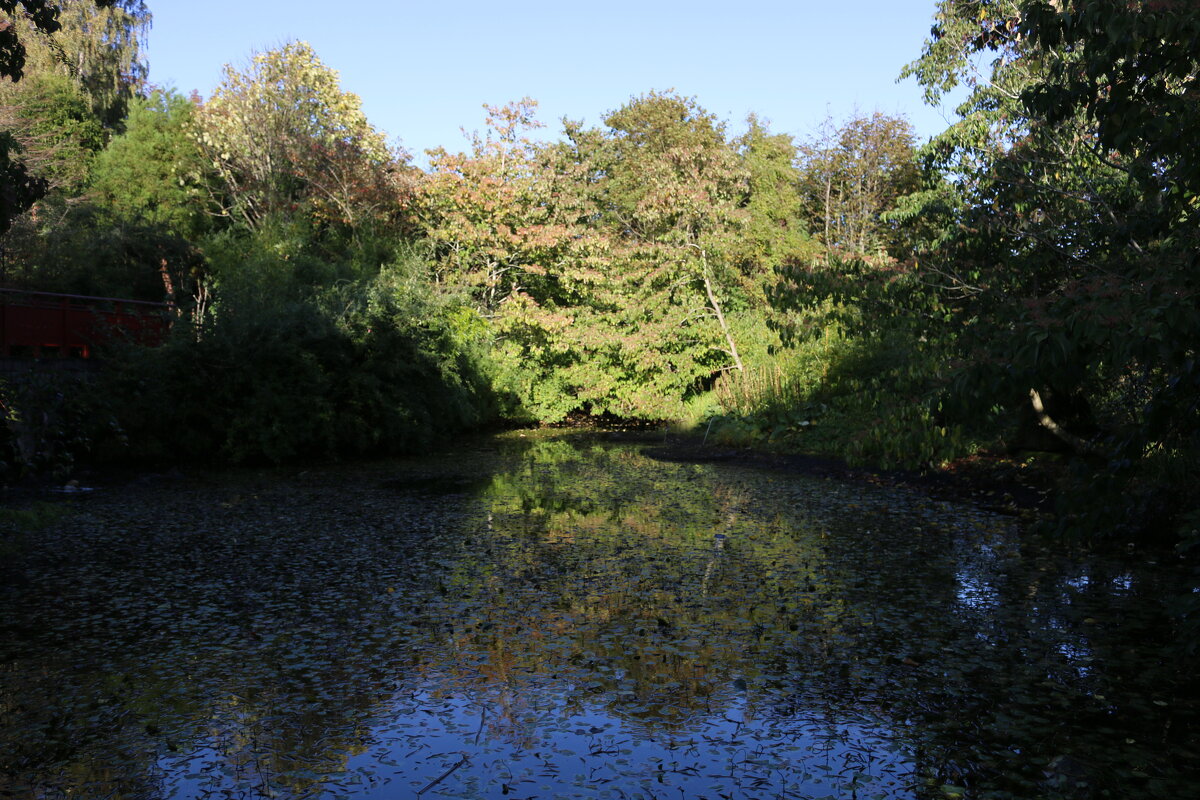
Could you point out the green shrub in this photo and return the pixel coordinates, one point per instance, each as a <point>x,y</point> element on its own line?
<point>281,370</point>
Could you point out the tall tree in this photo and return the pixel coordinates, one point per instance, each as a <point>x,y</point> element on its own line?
<point>99,45</point>
<point>776,231</point>
<point>284,138</point>
<point>612,265</point>
<point>674,191</point>
<point>1073,264</point>
<point>852,175</point>
<point>508,221</point>
<point>18,188</point>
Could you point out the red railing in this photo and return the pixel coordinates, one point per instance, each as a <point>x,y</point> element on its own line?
<point>46,324</point>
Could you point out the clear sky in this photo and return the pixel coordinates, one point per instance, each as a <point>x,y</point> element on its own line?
<point>424,69</point>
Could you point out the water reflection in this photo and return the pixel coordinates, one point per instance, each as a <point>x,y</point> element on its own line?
<point>562,616</point>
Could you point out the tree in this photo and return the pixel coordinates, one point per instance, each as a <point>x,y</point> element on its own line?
<point>41,15</point>
<point>18,188</point>
<point>285,140</point>
<point>154,171</point>
<point>674,193</point>
<point>507,221</point>
<point>611,265</point>
<point>1072,266</point>
<point>776,232</point>
<point>851,176</point>
<point>488,212</point>
<point>52,123</point>
<point>98,45</point>
<point>1133,68</point>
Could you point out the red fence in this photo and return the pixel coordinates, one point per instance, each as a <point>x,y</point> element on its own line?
<point>44,324</point>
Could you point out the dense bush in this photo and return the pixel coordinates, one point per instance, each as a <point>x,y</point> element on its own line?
<point>50,420</point>
<point>371,366</point>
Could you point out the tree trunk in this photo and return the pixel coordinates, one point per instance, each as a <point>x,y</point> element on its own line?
<point>1077,444</point>
<point>716,307</point>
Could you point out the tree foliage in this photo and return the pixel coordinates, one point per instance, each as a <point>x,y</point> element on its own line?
<point>98,45</point>
<point>23,20</point>
<point>776,231</point>
<point>1072,266</point>
<point>52,125</point>
<point>617,266</point>
<point>490,212</point>
<point>1132,68</point>
<point>41,15</point>
<point>285,139</point>
<point>851,175</point>
<point>154,171</point>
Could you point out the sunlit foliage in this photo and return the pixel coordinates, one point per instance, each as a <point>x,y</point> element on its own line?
<point>286,140</point>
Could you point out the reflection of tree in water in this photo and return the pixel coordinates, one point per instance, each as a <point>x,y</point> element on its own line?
<point>1018,669</point>
<point>674,585</point>
<point>651,588</point>
<point>264,648</point>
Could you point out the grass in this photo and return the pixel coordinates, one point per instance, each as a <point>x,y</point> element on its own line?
<point>868,400</point>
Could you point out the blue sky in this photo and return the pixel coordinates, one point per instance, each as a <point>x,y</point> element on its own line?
<point>425,69</point>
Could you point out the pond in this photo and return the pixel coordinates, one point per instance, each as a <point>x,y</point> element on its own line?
<point>549,615</point>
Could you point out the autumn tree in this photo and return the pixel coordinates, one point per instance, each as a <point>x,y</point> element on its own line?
<point>487,211</point>
<point>610,264</point>
<point>507,220</point>
<point>284,138</point>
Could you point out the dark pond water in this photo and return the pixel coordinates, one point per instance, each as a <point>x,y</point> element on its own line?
<point>554,616</point>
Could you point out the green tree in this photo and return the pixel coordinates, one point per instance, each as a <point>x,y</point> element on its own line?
<point>99,45</point>
<point>154,171</point>
<point>18,188</point>
<point>673,199</point>
<point>507,221</point>
<point>42,16</point>
<point>776,231</point>
<point>611,265</point>
<point>52,123</point>
<point>1072,265</point>
<point>1132,68</point>
<point>127,236</point>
